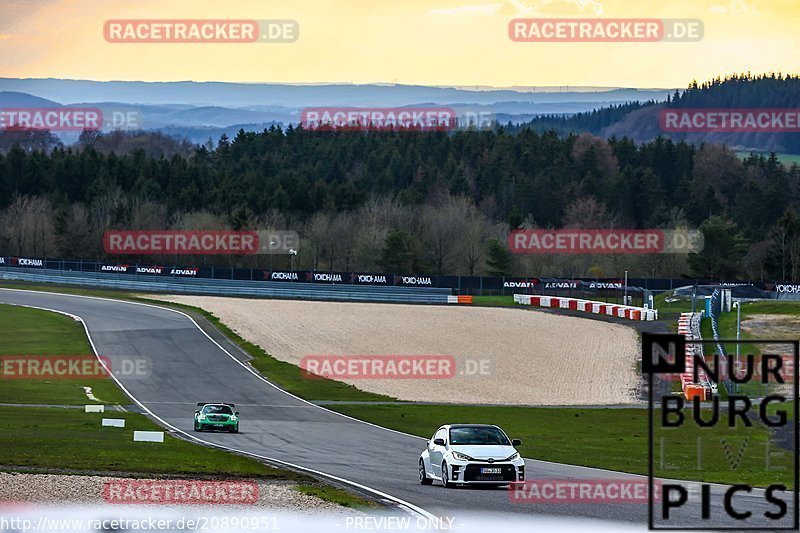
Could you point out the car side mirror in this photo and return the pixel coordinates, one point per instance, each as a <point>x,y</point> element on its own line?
<point>438,442</point>
<point>236,413</point>
<point>516,442</point>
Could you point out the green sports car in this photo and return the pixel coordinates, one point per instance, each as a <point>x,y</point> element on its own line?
<point>216,416</point>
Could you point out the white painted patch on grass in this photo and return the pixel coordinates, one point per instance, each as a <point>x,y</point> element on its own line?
<point>94,409</point>
<point>89,394</point>
<point>114,422</point>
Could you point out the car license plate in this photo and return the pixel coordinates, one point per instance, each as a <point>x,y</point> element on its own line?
<point>490,471</point>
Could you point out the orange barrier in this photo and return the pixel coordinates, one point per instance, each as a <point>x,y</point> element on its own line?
<point>465,299</point>
<point>692,391</point>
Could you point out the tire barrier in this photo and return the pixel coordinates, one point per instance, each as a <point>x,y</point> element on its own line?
<point>689,326</point>
<point>588,306</point>
<point>459,299</point>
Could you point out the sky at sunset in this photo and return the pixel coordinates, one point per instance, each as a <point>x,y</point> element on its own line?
<point>428,42</point>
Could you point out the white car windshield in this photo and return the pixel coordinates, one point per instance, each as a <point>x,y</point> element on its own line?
<point>478,435</point>
<point>217,410</point>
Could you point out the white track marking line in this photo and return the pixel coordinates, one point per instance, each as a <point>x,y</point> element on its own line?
<point>243,365</point>
<point>88,391</point>
<point>404,504</point>
<point>259,376</point>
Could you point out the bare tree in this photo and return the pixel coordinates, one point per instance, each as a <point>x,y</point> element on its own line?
<point>473,241</point>
<point>587,213</point>
<point>76,238</point>
<point>756,258</point>
<point>317,232</point>
<point>28,226</point>
<point>588,145</point>
<point>442,228</point>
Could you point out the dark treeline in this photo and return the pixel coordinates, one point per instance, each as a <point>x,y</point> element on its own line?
<point>585,122</point>
<point>426,202</point>
<point>741,90</point>
<point>640,120</point>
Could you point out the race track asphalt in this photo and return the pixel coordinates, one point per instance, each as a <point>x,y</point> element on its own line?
<point>188,366</point>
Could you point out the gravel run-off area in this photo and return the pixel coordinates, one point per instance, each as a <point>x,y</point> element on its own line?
<point>56,489</point>
<point>502,355</point>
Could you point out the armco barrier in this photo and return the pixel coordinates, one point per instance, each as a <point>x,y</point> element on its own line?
<point>588,306</point>
<point>218,287</point>
<point>689,326</point>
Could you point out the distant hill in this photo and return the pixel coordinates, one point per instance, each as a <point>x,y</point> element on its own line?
<point>197,111</point>
<point>296,96</point>
<point>16,99</point>
<point>640,122</point>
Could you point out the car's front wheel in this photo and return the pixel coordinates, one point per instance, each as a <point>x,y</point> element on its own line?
<point>423,475</point>
<point>197,426</point>
<point>446,477</point>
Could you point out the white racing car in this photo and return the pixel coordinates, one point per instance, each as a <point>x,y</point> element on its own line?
<point>471,454</point>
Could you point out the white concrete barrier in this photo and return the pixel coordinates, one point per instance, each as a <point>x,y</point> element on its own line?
<point>114,422</point>
<point>148,436</point>
<point>94,409</point>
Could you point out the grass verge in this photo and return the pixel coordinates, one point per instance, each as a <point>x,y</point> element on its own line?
<point>494,301</point>
<point>586,437</point>
<point>613,439</point>
<point>341,497</point>
<point>52,439</point>
<point>285,375</point>
<point>26,332</point>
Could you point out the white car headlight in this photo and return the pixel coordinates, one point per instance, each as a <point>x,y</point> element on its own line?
<point>462,456</point>
<point>202,416</point>
<point>512,457</point>
<point>233,418</point>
